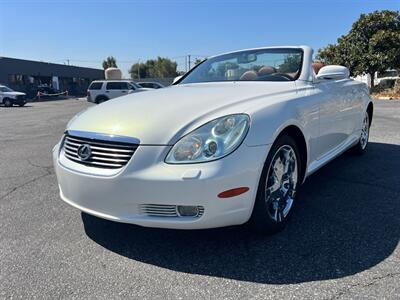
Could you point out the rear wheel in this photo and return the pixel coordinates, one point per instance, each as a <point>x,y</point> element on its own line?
<point>101,99</point>
<point>7,102</point>
<point>362,144</point>
<point>277,188</point>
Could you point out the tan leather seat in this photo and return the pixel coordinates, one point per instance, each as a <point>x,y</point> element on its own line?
<point>317,66</point>
<point>266,70</point>
<point>249,75</point>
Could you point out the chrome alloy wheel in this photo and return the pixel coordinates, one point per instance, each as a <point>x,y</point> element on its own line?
<point>281,183</point>
<point>364,132</point>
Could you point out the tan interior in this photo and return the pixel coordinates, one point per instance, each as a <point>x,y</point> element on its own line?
<point>317,66</point>
<point>266,70</point>
<point>249,75</point>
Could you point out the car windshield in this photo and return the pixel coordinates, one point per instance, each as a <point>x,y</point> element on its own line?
<point>135,85</point>
<point>5,89</point>
<point>277,64</point>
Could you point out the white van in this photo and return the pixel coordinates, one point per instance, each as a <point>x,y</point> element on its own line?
<point>103,90</point>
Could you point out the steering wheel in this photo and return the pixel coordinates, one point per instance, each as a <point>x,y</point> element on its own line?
<point>284,75</point>
<point>273,76</point>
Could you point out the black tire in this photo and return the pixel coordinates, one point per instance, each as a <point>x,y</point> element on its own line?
<point>101,99</point>
<point>261,219</point>
<point>362,144</point>
<point>21,104</point>
<point>7,102</point>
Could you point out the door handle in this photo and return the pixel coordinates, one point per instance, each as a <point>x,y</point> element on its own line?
<point>123,91</point>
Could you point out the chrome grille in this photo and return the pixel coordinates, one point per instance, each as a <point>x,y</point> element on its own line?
<point>104,154</point>
<point>162,210</point>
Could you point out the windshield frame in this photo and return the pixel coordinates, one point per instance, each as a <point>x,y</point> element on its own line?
<point>272,49</point>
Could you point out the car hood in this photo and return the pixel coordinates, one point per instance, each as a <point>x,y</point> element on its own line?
<point>162,116</point>
<point>14,93</point>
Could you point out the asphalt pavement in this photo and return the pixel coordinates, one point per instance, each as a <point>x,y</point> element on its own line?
<point>342,241</point>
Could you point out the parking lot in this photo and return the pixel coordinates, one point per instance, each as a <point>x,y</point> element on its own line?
<point>342,242</point>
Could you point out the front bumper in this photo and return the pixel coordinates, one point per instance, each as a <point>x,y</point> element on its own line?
<point>147,179</point>
<point>19,100</point>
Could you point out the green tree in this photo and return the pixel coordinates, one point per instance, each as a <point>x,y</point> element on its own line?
<point>110,62</point>
<point>154,68</point>
<point>197,61</point>
<point>290,64</point>
<point>138,70</point>
<point>372,45</point>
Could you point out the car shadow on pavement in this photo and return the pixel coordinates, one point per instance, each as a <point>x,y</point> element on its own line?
<point>16,107</point>
<point>347,220</point>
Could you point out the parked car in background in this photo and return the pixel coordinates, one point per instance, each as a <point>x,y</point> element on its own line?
<point>387,78</point>
<point>151,85</point>
<point>10,97</point>
<point>230,142</point>
<point>46,92</point>
<point>103,90</point>
<point>382,80</point>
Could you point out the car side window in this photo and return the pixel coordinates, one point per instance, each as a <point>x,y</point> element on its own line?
<point>95,86</point>
<point>114,86</point>
<point>124,86</point>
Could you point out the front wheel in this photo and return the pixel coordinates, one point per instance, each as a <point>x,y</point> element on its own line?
<point>7,102</point>
<point>101,99</point>
<point>277,188</point>
<point>362,144</point>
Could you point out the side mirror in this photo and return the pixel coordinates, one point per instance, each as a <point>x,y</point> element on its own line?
<point>333,72</point>
<point>177,79</point>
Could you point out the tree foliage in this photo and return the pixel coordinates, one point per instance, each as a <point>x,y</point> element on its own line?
<point>154,68</point>
<point>110,62</point>
<point>197,61</point>
<point>372,45</point>
<point>291,63</point>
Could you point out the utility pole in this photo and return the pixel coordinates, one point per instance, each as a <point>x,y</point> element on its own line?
<point>67,61</point>
<point>138,69</point>
<point>189,62</point>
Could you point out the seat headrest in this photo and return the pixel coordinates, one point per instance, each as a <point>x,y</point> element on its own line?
<point>249,75</point>
<point>266,70</point>
<point>317,66</point>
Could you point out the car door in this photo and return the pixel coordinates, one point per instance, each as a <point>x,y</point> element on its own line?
<point>116,89</point>
<point>124,88</point>
<point>112,89</point>
<point>333,115</point>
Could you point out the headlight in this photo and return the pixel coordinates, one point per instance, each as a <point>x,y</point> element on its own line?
<point>211,141</point>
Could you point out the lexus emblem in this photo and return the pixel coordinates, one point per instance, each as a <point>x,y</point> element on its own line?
<point>84,152</point>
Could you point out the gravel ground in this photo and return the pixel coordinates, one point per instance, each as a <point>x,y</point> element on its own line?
<point>342,242</point>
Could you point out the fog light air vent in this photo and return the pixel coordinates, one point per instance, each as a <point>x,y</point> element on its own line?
<point>188,211</point>
<point>163,210</point>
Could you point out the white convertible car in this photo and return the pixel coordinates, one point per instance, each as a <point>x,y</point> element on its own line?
<point>229,143</point>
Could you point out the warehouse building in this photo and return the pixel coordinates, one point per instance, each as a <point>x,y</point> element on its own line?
<point>26,75</point>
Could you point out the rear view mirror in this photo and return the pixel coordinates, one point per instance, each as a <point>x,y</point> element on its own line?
<point>335,72</point>
<point>246,58</point>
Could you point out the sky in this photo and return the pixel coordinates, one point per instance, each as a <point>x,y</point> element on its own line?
<point>85,32</point>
